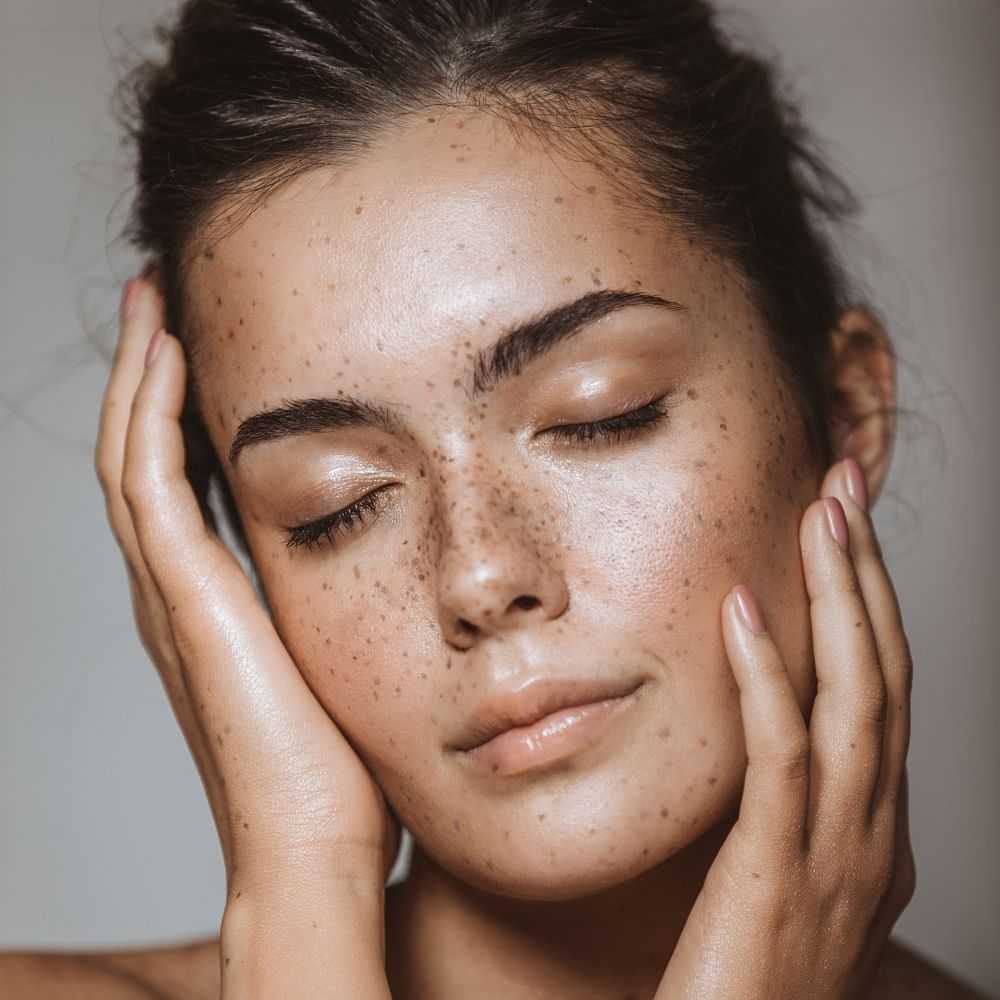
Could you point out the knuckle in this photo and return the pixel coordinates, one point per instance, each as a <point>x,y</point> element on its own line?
<point>902,669</point>
<point>879,877</point>
<point>791,761</point>
<point>906,880</point>
<point>104,469</point>
<point>873,704</point>
<point>134,490</point>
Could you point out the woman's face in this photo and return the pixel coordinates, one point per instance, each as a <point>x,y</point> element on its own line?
<point>497,553</point>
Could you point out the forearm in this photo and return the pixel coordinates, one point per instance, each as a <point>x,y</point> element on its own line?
<point>305,944</point>
<point>41,976</point>
<point>175,972</point>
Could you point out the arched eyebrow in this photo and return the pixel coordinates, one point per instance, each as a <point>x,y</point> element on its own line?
<point>506,358</point>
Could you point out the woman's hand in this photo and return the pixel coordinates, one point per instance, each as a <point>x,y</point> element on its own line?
<point>804,892</point>
<point>306,834</point>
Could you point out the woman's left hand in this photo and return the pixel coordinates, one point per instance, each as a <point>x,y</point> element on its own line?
<point>802,896</point>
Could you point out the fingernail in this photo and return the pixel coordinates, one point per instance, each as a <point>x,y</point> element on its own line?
<point>154,347</point>
<point>749,610</point>
<point>856,485</point>
<point>836,521</point>
<point>128,297</point>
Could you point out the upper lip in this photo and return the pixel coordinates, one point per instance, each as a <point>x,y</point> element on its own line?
<point>533,701</point>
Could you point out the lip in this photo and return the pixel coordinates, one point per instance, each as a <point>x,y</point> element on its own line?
<point>543,722</point>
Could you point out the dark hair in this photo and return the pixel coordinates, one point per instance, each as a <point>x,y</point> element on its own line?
<point>254,92</point>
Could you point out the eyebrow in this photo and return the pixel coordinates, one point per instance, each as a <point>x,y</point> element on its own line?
<point>506,358</point>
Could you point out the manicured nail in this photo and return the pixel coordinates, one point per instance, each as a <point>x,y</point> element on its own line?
<point>856,485</point>
<point>154,347</point>
<point>749,610</point>
<point>128,297</point>
<point>837,522</point>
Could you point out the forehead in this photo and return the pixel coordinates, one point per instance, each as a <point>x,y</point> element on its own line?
<point>447,228</point>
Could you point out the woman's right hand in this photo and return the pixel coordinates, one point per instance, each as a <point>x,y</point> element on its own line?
<point>303,825</point>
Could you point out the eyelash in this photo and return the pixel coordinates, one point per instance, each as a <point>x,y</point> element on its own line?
<point>613,430</point>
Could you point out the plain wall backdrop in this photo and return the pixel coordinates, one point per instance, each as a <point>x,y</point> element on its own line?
<point>105,832</point>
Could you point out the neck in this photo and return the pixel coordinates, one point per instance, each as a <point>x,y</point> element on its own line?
<point>447,939</point>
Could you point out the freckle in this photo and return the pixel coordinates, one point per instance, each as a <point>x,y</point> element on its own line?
<point>558,199</point>
<point>712,780</point>
<point>358,210</point>
<point>541,817</point>
<point>246,826</point>
<point>664,733</point>
<point>664,812</point>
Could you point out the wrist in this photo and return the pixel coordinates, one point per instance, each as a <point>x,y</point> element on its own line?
<point>304,940</point>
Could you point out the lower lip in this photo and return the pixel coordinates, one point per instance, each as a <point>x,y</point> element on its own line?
<point>558,735</point>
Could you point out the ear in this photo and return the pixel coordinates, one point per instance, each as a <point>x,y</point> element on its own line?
<point>863,385</point>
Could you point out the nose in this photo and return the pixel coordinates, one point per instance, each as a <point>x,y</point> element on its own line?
<point>493,578</point>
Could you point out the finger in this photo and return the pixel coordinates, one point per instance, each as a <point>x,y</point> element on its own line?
<point>152,609</point>
<point>846,481</point>
<point>775,791</point>
<point>255,709</point>
<point>848,713</point>
<point>141,317</point>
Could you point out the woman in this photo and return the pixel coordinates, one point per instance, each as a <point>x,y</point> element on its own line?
<point>508,334</point>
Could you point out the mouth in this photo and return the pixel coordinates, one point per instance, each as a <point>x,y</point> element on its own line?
<point>543,722</point>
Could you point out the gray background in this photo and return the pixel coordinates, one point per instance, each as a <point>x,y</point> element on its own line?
<point>105,835</point>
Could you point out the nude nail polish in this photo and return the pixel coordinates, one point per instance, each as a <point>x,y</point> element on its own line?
<point>837,522</point>
<point>856,485</point>
<point>749,610</point>
<point>154,347</point>
<point>128,297</point>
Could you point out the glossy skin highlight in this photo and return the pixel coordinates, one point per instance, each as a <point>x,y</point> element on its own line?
<point>381,280</point>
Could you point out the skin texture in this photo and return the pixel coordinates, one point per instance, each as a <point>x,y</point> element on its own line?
<point>504,555</point>
<point>490,562</point>
<point>382,280</point>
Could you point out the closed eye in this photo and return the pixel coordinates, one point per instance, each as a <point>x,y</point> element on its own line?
<point>614,429</point>
<point>325,529</point>
<point>624,426</point>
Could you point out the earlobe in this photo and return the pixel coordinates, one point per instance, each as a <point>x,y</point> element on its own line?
<point>863,395</point>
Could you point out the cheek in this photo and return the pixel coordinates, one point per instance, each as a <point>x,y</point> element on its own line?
<point>723,507</point>
<point>377,692</point>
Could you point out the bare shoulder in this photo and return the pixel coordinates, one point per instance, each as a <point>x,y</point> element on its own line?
<point>905,974</point>
<point>177,972</point>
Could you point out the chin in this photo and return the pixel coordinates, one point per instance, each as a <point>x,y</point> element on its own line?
<point>570,863</point>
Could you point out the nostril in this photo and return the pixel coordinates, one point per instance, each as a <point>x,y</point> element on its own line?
<point>526,602</point>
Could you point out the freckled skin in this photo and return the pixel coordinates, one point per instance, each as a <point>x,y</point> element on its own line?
<point>382,280</point>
